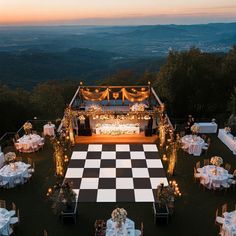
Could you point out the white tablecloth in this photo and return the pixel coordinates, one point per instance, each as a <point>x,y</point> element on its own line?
<point>117,129</point>
<point>127,229</point>
<point>212,174</point>
<point>207,127</point>
<point>193,144</point>
<point>1,159</point>
<point>228,140</point>
<point>14,171</point>
<point>49,130</point>
<point>229,225</point>
<point>29,143</point>
<point>4,221</point>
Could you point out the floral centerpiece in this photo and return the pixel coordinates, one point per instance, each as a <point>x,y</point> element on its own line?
<point>195,129</point>
<point>216,160</point>
<point>138,107</point>
<point>119,216</point>
<point>10,157</point>
<point>227,130</point>
<point>27,127</point>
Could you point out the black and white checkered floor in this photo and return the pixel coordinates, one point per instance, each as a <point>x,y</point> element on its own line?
<point>115,172</point>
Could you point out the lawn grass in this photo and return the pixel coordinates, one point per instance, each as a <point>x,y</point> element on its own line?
<point>194,211</point>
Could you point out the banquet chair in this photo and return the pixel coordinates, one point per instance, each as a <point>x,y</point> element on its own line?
<point>206,162</point>
<point>227,167</point>
<point>218,220</point>
<point>222,231</point>
<point>32,169</point>
<point>198,165</point>
<point>45,233</point>
<point>224,208</point>
<point>8,232</point>
<point>30,162</point>
<point>15,220</point>
<point>3,183</point>
<point>27,177</point>
<point>2,204</point>
<point>13,211</point>
<point>19,159</point>
<point>196,175</point>
<point>17,181</point>
<point>139,232</point>
<point>207,145</point>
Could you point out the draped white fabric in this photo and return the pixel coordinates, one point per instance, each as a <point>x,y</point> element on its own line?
<point>229,225</point>
<point>213,175</point>
<point>49,129</point>
<point>4,221</point>
<point>127,228</point>
<point>193,144</point>
<point>228,139</point>
<point>14,171</point>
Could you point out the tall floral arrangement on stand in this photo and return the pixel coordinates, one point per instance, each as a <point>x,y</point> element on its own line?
<point>119,216</point>
<point>27,127</point>
<point>62,195</point>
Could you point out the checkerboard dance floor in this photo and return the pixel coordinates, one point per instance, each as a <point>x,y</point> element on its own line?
<point>115,173</point>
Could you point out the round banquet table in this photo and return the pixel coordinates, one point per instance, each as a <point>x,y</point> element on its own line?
<point>212,174</point>
<point>14,171</point>
<point>4,221</point>
<point>193,144</point>
<point>49,129</point>
<point>127,229</point>
<point>229,224</point>
<point>29,143</point>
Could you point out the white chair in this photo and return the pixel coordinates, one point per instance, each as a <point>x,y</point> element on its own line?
<point>137,232</point>
<point>7,232</point>
<point>3,183</point>
<point>16,219</point>
<point>219,220</point>
<point>17,181</point>
<point>27,176</point>
<point>13,211</point>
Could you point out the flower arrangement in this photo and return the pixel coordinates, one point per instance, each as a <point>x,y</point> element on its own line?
<point>195,129</point>
<point>10,157</point>
<point>95,108</point>
<point>138,107</point>
<point>213,120</point>
<point>62,195</point>
<point>27,127</point>
<point>119,215</point>
<point>216,160</point>
<point>227,130</point>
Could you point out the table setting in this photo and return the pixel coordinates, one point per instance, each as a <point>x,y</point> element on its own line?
<point>119,224</point>
<point>29,143</point>
<point>193,144</point>
<point>4,221</point>
<point>49,129</point>
<point>229,223</point>
<point>14,171</point>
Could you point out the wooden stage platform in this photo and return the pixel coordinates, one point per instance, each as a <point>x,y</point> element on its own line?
<point>116,139</point>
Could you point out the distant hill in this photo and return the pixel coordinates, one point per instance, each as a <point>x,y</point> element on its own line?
<point>29,55</point>
<point>28,68</point>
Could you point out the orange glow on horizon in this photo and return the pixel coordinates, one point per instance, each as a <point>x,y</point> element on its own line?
<point>36,11</point>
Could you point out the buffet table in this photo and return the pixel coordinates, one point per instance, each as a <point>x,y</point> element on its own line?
<point>193,144</point>
<point>229,224</point>
<point>127,228</point>
<point>207,127</point>
<point>4,221</point>
<point>14,171</point>
<point>228,139</point>
<point>114,129</point>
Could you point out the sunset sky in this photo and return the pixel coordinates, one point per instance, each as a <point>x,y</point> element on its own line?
<point>116,11</point>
